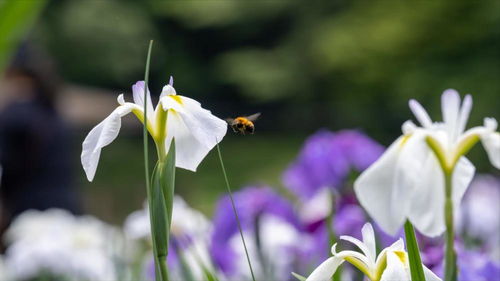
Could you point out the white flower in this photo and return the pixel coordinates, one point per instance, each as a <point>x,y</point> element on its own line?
<point>407,182</point>
<point>195,130</point>
<point>185,221</point>
<point>391,263</point>
<point>56,242</point>
<point>190,229</point>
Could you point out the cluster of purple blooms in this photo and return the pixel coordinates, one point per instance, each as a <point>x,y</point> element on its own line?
<point>286,234</point>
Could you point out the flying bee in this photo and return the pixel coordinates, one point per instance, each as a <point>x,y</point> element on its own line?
<point>243,125</point>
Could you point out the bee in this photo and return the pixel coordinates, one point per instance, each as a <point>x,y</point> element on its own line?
<point>243,125</point>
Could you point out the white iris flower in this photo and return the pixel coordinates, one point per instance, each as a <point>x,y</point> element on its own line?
<point>195,130</point>
<point>408,181</point>
<point>390,264</point>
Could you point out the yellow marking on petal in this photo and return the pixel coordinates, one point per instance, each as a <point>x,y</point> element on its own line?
<point>401,255</point>
<point>177,99</point>
<point>361,266</point>
<point>404,140</point>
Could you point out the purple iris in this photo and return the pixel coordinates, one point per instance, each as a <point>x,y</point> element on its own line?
<point>252,203</point>
<point>474,265</point>
<point>327,158</point>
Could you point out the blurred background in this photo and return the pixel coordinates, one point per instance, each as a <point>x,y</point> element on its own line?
<point>303,65</point>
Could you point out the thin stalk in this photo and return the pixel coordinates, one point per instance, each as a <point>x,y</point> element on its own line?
<point>160,266</point>
<point>234,210</point>
<point>450,271</point>
<point>416,269</point>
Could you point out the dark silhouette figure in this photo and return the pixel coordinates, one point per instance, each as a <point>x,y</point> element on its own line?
<point>34,142</point>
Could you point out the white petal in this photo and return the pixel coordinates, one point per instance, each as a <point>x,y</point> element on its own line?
<point>429,275</point>
<point>462,177</point>
<point>325,271</point>
<point>420,114</point>
<point>189,151</point>
<point>399,245</point>
<point>138,94</point>
<point>450,106</point>
<point>427,204</point>
<point>168,90</point>
<point>172,102</point>
<point>100,136</point>
<point>395,270</point>
<point>369,259</point>
<point>491,141</point>
<point>205,127</point>
<point>369,240</point>
<point>463,116</point>
<point>427,207</point>
<point>374,189</point>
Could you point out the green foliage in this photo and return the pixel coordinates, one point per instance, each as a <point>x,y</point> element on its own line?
<point>416,268</point>
<point>15,19</point>
<point>340,63</point>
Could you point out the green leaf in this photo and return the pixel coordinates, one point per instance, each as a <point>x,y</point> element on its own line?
<point>168,179</point>
<point>159,214</point>
<point>298,276</point>
<point>15,18</point>
<point>416,269</point>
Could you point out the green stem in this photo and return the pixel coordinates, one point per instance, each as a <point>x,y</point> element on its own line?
<point>450,271</point>
<point>235,212</point>
<point>160,260</point>
<point>416,269</point>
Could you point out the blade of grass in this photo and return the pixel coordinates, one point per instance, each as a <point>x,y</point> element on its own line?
<point>416,269</point>
<point>234,210</point>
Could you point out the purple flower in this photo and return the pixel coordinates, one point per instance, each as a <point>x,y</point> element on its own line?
<point>478,217</point>
<point>474,265</point>
<point>327,158</point>
<point>270,226</point>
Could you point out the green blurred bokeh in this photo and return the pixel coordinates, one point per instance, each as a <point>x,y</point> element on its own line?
<point>304,64</point>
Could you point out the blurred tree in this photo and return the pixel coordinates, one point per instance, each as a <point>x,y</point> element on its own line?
<point>335,64</point>
<point>15,19</point>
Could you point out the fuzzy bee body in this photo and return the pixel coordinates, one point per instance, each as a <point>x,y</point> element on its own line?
<point>243,125</point>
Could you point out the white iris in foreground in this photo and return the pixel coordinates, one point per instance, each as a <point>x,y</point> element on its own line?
<point>408,181</point>
<point>390,264</point>
<point>195,130</point>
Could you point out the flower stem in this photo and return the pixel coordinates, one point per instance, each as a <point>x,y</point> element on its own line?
<point>416,269</point>
<point>450,271</point>
<point>234,210</point>
<point>160,259</point>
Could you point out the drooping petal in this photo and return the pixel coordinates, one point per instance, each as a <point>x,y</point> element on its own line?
<point>189,151</point>
<point>325,271</point>
<point>138,94</point>
<point>450,107</point>
<point>461,179</point>
<point>420,113</point>
<point>205,127</point>
<point>491,141</point>
<point>100,136</point>
<point>489,138</point>
<point>396,268</point>
<point>374,189</point>
<point>426,206</point>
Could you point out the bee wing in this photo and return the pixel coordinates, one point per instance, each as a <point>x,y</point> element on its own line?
<point>253,117</point>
